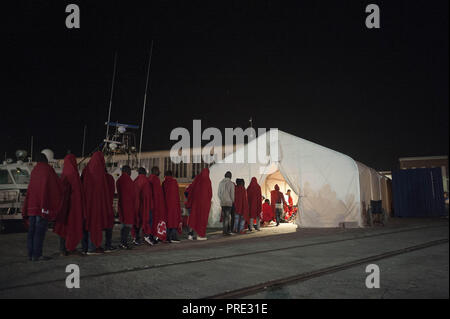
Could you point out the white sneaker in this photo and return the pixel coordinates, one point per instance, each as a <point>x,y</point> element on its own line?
<point>148,241</point>
<point>190,237</point>
<point>201,238</point>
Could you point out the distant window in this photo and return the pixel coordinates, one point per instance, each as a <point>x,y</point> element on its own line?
<point>21,176</point>
<point>5,178</point>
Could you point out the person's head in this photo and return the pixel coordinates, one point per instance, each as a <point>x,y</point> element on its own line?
<point>240,182</point>
<point>228,175</point>
<point>155,170</point>
<point>142,171</point>
<point>168,173</point>
<point>42,158</point>
<point>267,201</point>
<point>288,192</point>
<point>277,188</point>
<point>126,170</point>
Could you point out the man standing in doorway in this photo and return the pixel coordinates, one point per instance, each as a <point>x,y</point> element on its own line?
<point>278,202</point>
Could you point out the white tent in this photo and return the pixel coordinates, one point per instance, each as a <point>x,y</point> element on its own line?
<point>330,187</point>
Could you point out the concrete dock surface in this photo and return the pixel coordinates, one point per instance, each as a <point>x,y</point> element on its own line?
<point>203,269</point>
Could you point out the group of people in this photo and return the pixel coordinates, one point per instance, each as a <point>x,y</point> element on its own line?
<point>242,209</point>
<point>82,207</point>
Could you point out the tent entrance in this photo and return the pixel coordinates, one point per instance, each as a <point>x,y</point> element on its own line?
<point>273,179</point>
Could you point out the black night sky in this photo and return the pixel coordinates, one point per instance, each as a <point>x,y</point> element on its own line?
<point>310,68</point>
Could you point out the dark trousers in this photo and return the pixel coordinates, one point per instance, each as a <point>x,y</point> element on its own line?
<point>233,212</point>
<point>252,220</point>
<point>172,234</point>
<point>226,215</point>
<point>108,238</point>
<point>124,233</point>
<point>86,243</point>
<point>62,245</point>
<point>278,213</point>
<point>36,235</point>
<point>137,234</point>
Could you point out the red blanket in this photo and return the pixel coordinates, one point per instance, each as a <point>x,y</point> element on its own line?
<point>254,198</point>
<point>112,191</point>
<point>241,202</point>
<point>145,203</point>
<point>267,213</point>
<point>127,194</point>
<point>45,193</point>
<point>199,201</point>
<point>172,201</point>
<point>159,227</point>
<point>276,197</point>
<point>70,224</point>
<point>98,198</point>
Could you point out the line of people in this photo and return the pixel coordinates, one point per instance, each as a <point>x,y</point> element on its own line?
<point>82,207</point>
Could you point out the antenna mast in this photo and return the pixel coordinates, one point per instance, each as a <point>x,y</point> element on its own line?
<point>112,92</point>
<point>145,101</point>
<point>84,140</point>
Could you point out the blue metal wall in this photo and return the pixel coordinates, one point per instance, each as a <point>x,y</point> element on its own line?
<point>418,192</point>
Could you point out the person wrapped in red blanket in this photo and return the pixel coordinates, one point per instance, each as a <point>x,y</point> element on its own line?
<point>145,207</point>
<point>99,212</point>
<point>127,205</point>
<point>267,214</point>
<point>173,207</point>
<point>241,207</point>
<point>159,218</point>
<point>43,203</point>
<point>277,200</point>
<point>109,230</point>
<point>69,224</point>
<point>199,203</point>
<point>289,207</point>
<point>254,203</point>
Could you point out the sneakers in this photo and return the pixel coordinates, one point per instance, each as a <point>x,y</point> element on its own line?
<point>136,243</point>
<point>201,238</point>
<point>110,249</point>
<point>148,240</point>
<point>190,237</point>
<point>175,241</point>
<point>98,251</point>
<point>127,247</point>
<point>74,253</point>
<point>42,258</point>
